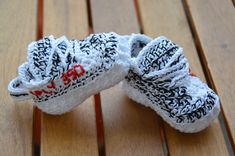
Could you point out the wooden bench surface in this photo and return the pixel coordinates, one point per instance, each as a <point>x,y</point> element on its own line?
<point>110,123</point>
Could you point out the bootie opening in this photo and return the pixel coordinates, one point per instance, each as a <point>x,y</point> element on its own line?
<point>137,43</point>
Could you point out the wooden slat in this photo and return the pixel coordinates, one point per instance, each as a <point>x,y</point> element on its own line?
<point>18,28</point>
<point>110,15</point>
<point>73,133</point>
<point>168,18</point>
<point>215,35</point>
<point>130,129</point>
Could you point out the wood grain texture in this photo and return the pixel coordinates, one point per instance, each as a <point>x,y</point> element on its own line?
<point>168,18</point>
<point>112,15</point>
<point>18,28</point>
<point>66,17</point>
<point>73,133</point>
<point>215,35</point>
<point>130,129</point>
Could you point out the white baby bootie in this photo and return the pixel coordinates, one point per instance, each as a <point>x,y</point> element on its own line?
<point>60,73</point>
<point>159,78</point>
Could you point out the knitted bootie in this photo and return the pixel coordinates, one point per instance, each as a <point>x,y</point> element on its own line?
<point>60,73</point>
<point>159,78</point>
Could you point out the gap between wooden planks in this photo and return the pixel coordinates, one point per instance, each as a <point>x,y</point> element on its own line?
<point>36,112</point>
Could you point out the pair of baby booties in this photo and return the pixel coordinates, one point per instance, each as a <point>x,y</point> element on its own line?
<point>60,74</point>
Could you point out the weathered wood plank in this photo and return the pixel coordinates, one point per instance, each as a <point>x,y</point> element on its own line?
<point>18,28</point>
<point>117,16</point>
<point>130,129</point>
<point>73,133</point>
<point>215,35</point>
<point>168,18</point>
<point>66,17</point>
